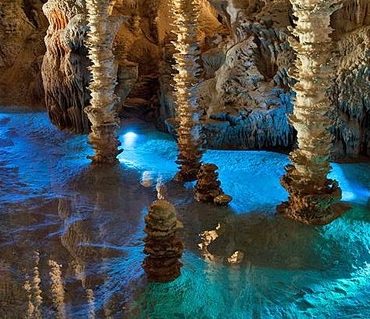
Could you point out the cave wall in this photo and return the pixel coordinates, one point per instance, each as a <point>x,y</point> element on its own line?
<point>244,87</point>
<point>22,28</point>
<point>65,65</point>
<point>351,88</point>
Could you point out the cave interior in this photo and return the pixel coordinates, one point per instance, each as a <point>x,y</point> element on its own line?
<point>184,159</point>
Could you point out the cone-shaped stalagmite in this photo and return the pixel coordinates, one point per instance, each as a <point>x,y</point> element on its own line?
<point>102,113</point>
<point>313,198</point>
<point>186,15</point>
<point>208,188</point>
<point>163,247</point>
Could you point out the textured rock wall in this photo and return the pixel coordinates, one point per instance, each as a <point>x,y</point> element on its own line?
<point>64,69</point>
<point>22,27</point>
<point>245,58</point>
<point>246,87</point>
<point>350,92</point>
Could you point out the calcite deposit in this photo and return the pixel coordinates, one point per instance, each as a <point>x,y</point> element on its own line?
<point>313,198</point>
<point>162,244</point>
<point>22,29</point>
<point>208,187</point>
<point>65,65</point>
<point>187,54</point>
<point>243,88</point>
<point>102,112</point>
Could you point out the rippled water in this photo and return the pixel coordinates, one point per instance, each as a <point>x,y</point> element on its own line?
<point>71,235</point>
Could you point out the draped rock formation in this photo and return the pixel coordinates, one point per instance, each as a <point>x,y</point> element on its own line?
<point>102,112</point>
<point>247,94</point>
<point>64,68</point>
<point>244,55</point>
<point>312,196</point>
<point>186,15</point>
<point>163,247</point>
<point>350,92</point>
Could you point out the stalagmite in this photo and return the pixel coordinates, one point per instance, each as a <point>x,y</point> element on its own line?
<point>162,245</point>
<point>102,113</point>
<point>313,198</point>
<point>186,15</point>
<point>208,188</point>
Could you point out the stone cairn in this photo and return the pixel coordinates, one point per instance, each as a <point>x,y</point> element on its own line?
<point>162,245</point>
<point>208,188</point>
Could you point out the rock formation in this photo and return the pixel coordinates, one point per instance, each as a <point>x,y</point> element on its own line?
<point>22,28</point>
<point>186,15</point>
<point>162,245</point>
<point>350,93</point>
<point>248,95</point>
<point>246,87</point>
<point>244,53</point>
<point>64,68</point>
<point>312,196</point>
<point>207,188</point>
<point>102,112</point>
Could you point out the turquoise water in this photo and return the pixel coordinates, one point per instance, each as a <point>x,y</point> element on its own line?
<point>89,221</point>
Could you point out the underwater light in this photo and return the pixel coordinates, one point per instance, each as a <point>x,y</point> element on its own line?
<point>348,196</point>
<point>129,139</point>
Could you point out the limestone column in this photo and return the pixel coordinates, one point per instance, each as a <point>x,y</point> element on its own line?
<point>102,113</point>
<point>313,198</point>
<point>185,26</point>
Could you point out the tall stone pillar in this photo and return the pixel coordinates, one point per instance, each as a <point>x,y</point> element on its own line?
<point>186,15</point>
<point>102,110</point>
<point>313,198</point>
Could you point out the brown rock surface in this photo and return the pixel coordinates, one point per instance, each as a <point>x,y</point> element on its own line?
<point>162,245</point>
<point>207,188</point>
<point>22,28</point>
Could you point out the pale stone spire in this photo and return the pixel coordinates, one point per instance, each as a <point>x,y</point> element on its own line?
<point>312,196</point>
<point>102,112</point>
<point>185,25</point>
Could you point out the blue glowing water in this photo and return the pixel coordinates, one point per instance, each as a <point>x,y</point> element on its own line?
<point>90,221</point>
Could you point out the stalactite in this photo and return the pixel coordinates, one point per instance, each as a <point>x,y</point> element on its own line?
<point>102,113</point>
<point>152,12</point>
<point>186,15</point>
<point>313,198</point>
<point>162,245</point>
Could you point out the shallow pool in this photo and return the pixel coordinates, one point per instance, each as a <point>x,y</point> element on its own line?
<point>71,235</point>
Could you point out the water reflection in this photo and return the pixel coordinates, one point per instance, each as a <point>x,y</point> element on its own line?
<point>33,290</point>
<point>80,238</point>
<point>86,226</point>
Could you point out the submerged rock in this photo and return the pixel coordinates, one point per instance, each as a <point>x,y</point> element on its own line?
<point>162,245</point>
<point>208,188</point>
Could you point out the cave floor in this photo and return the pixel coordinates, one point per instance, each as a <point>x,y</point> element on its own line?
<point>72,234</point>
